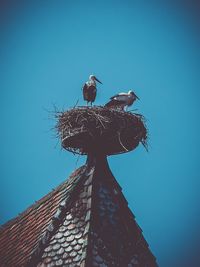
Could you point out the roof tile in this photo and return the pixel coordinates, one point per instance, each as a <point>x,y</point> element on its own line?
<point>84,222</point>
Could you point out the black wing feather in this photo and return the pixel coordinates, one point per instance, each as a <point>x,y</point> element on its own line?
<point>85,92</point>
<point>114,102</point>
<point>89,92</point>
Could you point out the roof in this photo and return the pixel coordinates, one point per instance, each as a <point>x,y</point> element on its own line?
<point>84,222</point>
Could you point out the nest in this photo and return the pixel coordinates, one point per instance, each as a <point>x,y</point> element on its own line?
<point>85,130</point>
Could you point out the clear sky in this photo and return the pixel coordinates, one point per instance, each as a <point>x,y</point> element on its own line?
<point>47,51</point>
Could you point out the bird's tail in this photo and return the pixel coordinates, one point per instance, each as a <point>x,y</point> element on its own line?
<point>109,104</point>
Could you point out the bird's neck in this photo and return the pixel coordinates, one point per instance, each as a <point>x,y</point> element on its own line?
<point>92,82</point>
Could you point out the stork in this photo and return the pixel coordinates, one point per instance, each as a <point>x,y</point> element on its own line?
<point>122,100</point>
<point>90,89</point>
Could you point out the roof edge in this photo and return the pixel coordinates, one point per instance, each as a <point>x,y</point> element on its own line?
<point>56,219</point>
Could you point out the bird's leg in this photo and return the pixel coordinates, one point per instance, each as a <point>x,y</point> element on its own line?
<point>91,103</point>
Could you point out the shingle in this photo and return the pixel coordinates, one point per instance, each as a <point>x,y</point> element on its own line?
<point>84,222</point>
<point>23,233</point>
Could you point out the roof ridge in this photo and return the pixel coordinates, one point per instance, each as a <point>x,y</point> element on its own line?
<point>82,190</point>
<point>58,216</point>
<point>88,218</point>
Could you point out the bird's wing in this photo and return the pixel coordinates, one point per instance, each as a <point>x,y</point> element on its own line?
<point>115,102</point>
<point>85,86</point>
<point>121,98</point>
<point>92,91</point>
<point>85,91</point>
<point>120,94</point>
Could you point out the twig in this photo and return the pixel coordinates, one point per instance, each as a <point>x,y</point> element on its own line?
<point>121,142</point>
<point>76,103</point>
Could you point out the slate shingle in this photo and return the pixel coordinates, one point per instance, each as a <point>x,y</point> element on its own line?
<point>84,222</point>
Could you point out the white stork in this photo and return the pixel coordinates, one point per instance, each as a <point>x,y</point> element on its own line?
<point>90,89</point>
<point>122,100</point>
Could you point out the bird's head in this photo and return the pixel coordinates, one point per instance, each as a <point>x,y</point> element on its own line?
<point>93,78</point>
<point>133,94</point>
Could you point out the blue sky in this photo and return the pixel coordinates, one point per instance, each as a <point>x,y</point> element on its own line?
<point>48,49</point>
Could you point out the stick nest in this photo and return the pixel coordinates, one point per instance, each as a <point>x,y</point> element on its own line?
<point>85,130</point>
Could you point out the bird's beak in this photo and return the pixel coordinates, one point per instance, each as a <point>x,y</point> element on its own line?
<point>136,97</point>
<point>97,80</point>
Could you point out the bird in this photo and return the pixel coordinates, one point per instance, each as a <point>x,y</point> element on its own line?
<point>90,89</point>
<point>122,100</point>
